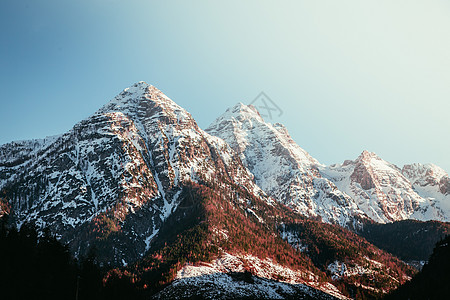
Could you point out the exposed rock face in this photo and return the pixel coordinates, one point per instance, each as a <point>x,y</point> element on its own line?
<point>444,185</point>
<point>386,193</point>
<point>116,176</point>
<point>362,172</point>
<point>281,168</point>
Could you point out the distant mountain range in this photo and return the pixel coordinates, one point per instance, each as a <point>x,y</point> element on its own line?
<point>367,187</point>
<point>164,201</point>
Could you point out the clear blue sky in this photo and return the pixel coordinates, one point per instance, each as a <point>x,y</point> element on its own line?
<point>349,75</point>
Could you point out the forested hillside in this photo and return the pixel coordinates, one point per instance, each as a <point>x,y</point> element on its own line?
<point>433,281</point>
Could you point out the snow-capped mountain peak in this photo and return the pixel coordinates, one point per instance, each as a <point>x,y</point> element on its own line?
<point>367,156</point>
<point>129,160</point>
<point>242,112</point>
<point>281,168</point>
<point>425,174</point>
<point>243,124</point>
<point>430,182</point>
<point>145,101</point>
<point>372,160</point>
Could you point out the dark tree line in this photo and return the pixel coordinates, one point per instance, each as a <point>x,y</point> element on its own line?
<point>38,266</point>
<point>407,239</point>
<point>433,281</point>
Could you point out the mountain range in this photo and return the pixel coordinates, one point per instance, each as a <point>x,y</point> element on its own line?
<point>168,204</point>
<point>365,188</point>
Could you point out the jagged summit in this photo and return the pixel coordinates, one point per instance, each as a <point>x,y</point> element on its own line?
<point>242,111</point>
<point>371,158</point>
<point>135,93</point>
<point>370,186</point>
<point>235,116</point>
<point>367,155</point>
<point>242,125</point>
<point>142,91</point>
<point>142,101</point>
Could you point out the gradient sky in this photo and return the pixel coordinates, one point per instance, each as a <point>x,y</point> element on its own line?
<point>348,75</point>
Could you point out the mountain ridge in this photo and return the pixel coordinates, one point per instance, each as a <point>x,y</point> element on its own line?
<point>139,181</point>
<point>385,193</point>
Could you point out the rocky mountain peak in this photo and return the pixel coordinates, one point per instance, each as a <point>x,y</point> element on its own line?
<point>135,93</point>
<point>234,119</point>
<point>369,164</point>
<point>427,175</point>
<point>144,103</point>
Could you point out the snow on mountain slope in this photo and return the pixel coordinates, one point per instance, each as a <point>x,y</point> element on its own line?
<point>430,182</point>
<point>143,184</point>
<point>230,275</point>
<point>281,168</point>
<point>385,193</point>
<point>115,176</point>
